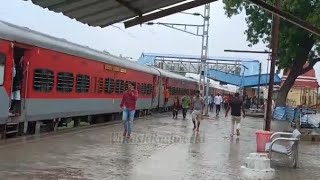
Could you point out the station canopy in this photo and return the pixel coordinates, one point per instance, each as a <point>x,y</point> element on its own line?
<point>102,13</point>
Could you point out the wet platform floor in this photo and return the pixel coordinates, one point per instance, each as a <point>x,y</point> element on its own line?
<point>160,148</point>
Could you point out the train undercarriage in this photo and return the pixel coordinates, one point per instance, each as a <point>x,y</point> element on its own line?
<point>16,126</point>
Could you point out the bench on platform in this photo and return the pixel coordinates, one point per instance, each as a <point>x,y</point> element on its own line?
<point>285,145</point>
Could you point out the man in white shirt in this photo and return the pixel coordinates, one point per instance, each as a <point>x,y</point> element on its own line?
<point>217,101</point>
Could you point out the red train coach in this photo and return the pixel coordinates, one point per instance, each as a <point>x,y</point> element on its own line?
<point>59,79</point>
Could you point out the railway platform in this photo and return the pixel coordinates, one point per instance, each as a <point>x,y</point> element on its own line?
<point>160,148</point>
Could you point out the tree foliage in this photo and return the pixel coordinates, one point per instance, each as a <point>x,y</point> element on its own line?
<point>296,45</point>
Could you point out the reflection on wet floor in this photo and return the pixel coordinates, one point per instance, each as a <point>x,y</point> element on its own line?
<point>160,148</point>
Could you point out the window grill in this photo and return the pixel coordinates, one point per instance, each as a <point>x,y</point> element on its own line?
<point>65,82</point>
<point>83,83</point>
<point>109,86</point>
<point>43,80</point>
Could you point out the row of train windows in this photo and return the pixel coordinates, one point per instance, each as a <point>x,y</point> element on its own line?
<point>44,82</point>
<point>179,91</point>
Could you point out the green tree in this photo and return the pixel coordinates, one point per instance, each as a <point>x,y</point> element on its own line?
<point>298,48</point>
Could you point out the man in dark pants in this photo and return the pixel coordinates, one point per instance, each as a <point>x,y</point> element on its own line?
<point>186,101</point>
<point>218,101</point>
<point>236,105</point>
<point>211,102</point>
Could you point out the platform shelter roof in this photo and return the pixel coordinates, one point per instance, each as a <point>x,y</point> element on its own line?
<point>102,13</point>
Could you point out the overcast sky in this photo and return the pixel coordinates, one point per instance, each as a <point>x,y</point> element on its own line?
<point>224,33</point>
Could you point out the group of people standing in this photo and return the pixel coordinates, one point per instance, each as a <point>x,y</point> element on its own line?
<point>185,105</point>
<point>195,104</point>
<point>218,101</point>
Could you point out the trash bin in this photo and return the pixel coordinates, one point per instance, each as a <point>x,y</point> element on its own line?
<point>263,137</point>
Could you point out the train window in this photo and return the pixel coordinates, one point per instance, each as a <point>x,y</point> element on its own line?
<point>109,86</point>
<point>119,86</point>
<point>143,88</point>
<point>43,80</point>
<point>2,67</point>
<point>138,88</point>
<point>65,82</point>
<point>147,88</point>
<point>134,85</point>
<point>100,85</point>
<point>172,90</point>
<point>126,85</point>
<point>150,89</point>
<point>83,83</point>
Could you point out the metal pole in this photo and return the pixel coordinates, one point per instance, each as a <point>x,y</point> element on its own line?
<point>317,100</point>
<point>274,44</point>
<point>204,53</point>
<point>207,91</point>
<point>258,98</point>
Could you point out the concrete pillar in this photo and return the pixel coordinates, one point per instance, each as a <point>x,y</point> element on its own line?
<point>3,131</point>
<point>37,128</point>
<point>76,122</point>
<point>56,124</point>
<point>89,118</point>
<point>25,127</point>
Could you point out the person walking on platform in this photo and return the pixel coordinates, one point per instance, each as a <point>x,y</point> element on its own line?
<point>226,100</point>
<point>211,102</point>
<point>166,99</point>
<point>236,105</point>
<point>128,106</point>
<point>176,107</point>
<point>197,105</point>
<point>185,105</point>
<point>218,101</point>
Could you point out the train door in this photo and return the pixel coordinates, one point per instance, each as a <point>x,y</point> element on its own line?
<point>19,80</point>
<point>6,68</point>
<point>166,92</point>
<point>155,91</point>
<point>161,92</point>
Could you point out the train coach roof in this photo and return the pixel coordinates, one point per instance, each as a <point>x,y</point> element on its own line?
<point>174,75</point>
<point>26,36</point>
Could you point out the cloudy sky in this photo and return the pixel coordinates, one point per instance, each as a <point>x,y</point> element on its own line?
<point>224,33</point>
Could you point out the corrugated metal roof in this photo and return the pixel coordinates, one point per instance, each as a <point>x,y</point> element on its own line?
<point>26,36</point>
<point>103,12</point>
